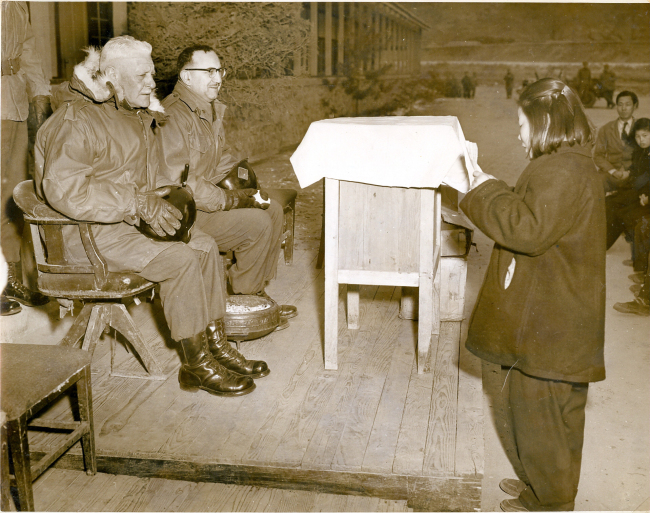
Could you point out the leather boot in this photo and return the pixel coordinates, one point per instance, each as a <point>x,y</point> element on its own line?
<point>201,371</point>
<point>228,356</point>
<point>9,306</point>
<point>18,292</point>
<point>286,311</point>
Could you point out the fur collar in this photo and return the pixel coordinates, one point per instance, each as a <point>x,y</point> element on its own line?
<point>96,84</point>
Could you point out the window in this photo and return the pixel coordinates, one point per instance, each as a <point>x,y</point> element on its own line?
<point>100,22</point>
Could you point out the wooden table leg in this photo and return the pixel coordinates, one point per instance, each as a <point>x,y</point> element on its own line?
<point>84,399</point>
<point>331,272</point>
<point>19,447</point>
<point>7,500</point>
<point>425,314</point>
<point>353,307</point>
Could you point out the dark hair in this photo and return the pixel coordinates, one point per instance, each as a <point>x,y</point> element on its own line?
<point>639,124</point>
<point>555,115</point>
<point>186,55</point>
<point>635,98</point>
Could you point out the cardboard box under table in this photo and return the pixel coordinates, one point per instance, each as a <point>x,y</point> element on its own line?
<point>384,184</point>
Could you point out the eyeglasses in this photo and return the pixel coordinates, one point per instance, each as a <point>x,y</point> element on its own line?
<point>212,71</point>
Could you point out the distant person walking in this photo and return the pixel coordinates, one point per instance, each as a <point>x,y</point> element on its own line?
<point>509,79</point>
<point>584,79</point>
<point>608,85</point>
<point>467,85</point>
<point>472,91</point>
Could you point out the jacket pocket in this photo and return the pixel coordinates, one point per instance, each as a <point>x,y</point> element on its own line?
<point>199,142</point>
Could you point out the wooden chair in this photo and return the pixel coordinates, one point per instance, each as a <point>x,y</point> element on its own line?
<point>286,198</point>
<point>100,290</point>
<point>33,376</point>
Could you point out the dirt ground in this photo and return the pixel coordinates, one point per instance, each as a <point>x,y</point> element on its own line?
<point>616,454</point>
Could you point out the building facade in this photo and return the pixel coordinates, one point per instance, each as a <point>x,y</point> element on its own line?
<point>364,42</point>
<point>366,36</point>
<point>345,36</point>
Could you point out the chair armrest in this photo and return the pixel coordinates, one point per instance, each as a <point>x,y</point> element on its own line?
<point>34,209</point>
<point>92,252</point>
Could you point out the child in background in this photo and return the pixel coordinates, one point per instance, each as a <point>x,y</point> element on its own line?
<point>639,214</point>
<point>626,206</point>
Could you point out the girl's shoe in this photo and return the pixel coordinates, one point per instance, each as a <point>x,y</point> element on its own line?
<point>512,486</point>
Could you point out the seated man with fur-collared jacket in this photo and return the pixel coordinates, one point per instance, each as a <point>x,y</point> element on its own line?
<point>97,161</point>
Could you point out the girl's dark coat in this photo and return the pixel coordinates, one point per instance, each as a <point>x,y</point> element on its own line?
<point>549,323</point>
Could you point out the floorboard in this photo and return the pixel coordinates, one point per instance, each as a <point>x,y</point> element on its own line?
<point>69,490</point>
<point>374,427</point>
<point>441,436</point>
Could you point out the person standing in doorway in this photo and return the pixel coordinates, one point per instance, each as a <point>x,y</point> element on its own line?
<point>22,80</point>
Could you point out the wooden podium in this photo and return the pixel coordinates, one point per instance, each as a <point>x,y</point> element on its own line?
<point>378,232</point>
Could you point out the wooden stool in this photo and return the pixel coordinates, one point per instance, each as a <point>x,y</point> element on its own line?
<point>33,376</point>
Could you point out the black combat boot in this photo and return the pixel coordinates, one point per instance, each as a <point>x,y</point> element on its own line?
<point>201,371</point>
<point>18,292</point>
<point>228,356</point>
<point>9,306</point>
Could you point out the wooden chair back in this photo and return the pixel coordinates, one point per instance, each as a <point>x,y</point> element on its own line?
<point>57,276</point>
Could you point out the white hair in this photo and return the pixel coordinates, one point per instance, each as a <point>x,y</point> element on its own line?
<point>122,47</point>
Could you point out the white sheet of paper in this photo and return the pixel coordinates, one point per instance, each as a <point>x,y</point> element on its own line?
<point>259,199</point>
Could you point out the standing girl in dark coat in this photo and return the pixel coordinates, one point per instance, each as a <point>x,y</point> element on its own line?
<point>541,311</point>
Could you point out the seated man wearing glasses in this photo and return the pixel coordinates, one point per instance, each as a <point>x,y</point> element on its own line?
<point>194,134</point>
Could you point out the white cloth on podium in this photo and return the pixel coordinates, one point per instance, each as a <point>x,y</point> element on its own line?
<point>393,151</point>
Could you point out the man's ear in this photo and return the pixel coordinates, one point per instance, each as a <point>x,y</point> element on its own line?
<point>111,74</point>
<point>185,76</point>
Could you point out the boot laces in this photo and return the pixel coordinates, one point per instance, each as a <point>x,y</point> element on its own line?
<point>18,286</point>
<point>230,351</point>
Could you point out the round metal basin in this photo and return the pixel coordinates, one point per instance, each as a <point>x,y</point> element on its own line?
<point>250,317</point>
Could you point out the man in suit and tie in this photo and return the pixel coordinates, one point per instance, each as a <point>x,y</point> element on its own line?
<point>613,149</point>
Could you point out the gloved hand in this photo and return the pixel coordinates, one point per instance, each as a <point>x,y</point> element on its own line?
<point>42,109</point>
<point>239,198</point>
<point>163,217</point>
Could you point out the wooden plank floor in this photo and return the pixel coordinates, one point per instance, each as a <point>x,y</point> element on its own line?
<point>373,427</point>
<point>70,490</point>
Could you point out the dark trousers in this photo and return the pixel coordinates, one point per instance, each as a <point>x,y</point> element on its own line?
<point>546,419</point>
<point>609,96</point>
<point>623,211</point>
<point>191,288</point>
<point>253,235</point>
<point>642,244</point>
<point>14,171</point>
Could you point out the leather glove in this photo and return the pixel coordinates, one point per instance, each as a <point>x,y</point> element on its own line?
<point>163,217</point>
<point>42,109</point>
<point>239,198</point>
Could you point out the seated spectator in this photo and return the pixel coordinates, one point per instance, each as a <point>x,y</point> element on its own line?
<point>194,133</point>
<point>613,149</point>
<point>96,161</point>
<point>626,206</point>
